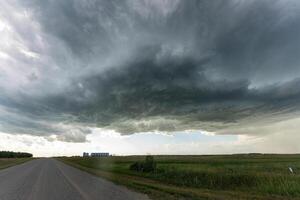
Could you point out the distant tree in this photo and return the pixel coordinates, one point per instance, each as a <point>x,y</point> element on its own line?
<point>148,166</point>
<point>11,154</point>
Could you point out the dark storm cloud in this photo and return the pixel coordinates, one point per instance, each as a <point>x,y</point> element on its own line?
<point>136,66</point>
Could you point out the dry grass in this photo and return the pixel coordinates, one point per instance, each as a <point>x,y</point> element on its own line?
<point>8,162</point>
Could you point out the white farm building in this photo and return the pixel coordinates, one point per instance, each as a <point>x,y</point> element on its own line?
<point>96,154</point>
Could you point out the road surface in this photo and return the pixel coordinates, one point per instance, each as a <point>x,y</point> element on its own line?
<point>49,179</point>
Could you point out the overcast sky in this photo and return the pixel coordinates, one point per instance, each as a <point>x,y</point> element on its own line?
<point>150,76</point>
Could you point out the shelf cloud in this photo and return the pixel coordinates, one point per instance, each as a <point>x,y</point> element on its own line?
<point>142,66</point>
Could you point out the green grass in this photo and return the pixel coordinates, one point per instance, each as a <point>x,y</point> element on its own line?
<point>203,177</point>
<point>8,162</point>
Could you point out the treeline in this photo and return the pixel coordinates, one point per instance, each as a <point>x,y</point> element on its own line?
<point>10,154</point>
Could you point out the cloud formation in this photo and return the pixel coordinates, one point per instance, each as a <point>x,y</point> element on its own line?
<point>141,66</point>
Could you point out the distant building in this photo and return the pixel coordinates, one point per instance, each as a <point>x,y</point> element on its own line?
<point>99,154</point>
<point>85,154</point>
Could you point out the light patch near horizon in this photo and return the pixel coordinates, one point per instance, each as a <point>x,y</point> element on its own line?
<point>116,144</point>
<point>157,143</point>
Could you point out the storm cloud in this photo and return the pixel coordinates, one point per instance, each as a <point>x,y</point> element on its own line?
<point>142,66</point>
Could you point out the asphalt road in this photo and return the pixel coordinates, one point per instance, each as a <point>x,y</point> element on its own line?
<point>49,179</point>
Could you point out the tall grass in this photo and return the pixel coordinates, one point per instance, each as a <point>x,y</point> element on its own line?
<point>263,174</point>
<point>264,183</point>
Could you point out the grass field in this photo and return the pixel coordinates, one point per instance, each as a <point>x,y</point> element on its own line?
<point>251,176</point>
<point>8,162</point>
